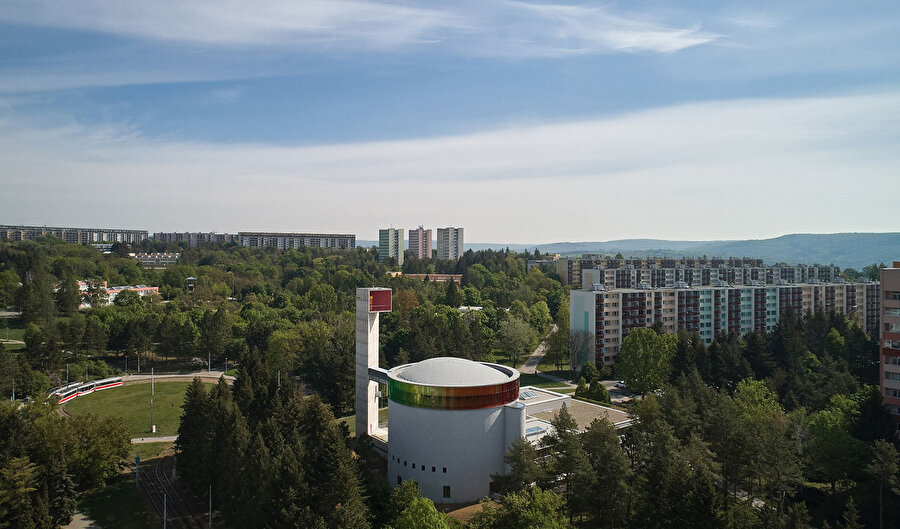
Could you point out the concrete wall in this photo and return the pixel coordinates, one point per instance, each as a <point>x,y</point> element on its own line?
<point>470,444</point>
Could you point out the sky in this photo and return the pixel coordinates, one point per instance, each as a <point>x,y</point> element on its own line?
<point>523,122</point>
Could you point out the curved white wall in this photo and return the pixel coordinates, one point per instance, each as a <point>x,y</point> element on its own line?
<point>470,444</point>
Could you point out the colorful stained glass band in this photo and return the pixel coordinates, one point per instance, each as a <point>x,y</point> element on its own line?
<point>452,397</point>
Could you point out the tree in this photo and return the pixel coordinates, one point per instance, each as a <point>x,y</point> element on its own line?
<point>452,296</point>
<point>215,332</point>
<point>645,359</point>
<point>127,298</point>
<point>607,497</point>
<point>557,348</point>
<point>580,342</point>
<point>832,452</point>
<point>18,481</point>
<point>569,461</point>
<point>35,297</point>
<point>539,317</point>
<point>68,296</point>
<point>883,468</point>
<point>96,293</point>
<point>421,514</point>
<point>515,338</point>
<point>9,284</point>
<point>530,508</point>
<point>524,470</point>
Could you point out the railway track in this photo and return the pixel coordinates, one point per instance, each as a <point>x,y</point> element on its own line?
<point>160,489</point>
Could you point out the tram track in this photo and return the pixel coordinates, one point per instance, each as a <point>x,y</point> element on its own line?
<point>160,490</point>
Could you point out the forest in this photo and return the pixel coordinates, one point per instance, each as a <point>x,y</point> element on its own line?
<point>784,429</point>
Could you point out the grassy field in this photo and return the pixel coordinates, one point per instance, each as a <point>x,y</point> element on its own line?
<point>132,403</point>
<point>149,450</point>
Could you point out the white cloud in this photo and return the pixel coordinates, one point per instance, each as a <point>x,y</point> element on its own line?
<point>474,28</point>
<point>726,169</point>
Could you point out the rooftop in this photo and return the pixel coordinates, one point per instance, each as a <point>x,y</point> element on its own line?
<point>448,371</point>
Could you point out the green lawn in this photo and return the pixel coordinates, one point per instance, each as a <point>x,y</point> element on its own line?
<point>118,505</point>
<point>149,450</point>
<point>132,403</point>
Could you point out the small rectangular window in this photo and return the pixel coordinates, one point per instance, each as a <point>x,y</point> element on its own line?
<point>432,469</point>
<point>446,491</point>
<point>404,463</point>
<point>445,470</point>
<point>399,480</point>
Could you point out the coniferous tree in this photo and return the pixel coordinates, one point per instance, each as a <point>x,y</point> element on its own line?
<point>334,490</point>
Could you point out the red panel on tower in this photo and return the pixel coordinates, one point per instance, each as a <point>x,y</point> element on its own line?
<point>379,301</point>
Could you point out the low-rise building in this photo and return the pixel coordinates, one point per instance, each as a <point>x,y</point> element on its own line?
<point>157,261</point>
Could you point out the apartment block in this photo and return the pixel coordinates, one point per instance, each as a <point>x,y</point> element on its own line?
<point>658,273</point>
<point>285,241</point>
<point>195,238</point>
<point>390,245</point>
<point>450,243</point>
<point>72,235</point>
<point>609,315</point>
<point>420,242</point>
<point>890,339</point>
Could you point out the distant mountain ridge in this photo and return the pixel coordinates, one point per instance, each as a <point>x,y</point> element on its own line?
<point>854,250</point>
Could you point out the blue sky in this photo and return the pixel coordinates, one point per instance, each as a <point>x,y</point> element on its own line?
<point>521,121</point>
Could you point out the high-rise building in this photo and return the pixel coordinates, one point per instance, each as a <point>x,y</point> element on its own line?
<point>390,244</point>
<point>449,243</point>
<point>601,318</point>
<point>890,339</point>
<point>420,242</point>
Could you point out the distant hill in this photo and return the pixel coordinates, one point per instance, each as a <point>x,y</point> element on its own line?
<point>854,250</point>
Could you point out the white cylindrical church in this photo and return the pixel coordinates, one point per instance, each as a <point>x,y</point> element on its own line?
<point>451,421</point>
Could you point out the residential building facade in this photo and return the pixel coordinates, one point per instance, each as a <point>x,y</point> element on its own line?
<point>286,241</point>
<point>609,315</point>
<point>72,235</point>
<point>450,244</point>
<point>390,245</point>
<point>696,271</point>
<point>195,238</point>
<point>890,340</point>
<point>420,242</point>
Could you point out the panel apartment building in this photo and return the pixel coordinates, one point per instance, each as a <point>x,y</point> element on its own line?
<point>72,235</point>
<point>450,243</point>
<point>195,238</point>
<point>390,245</point>
<point>890,339</point>
<point>420,242</point>
<point>609,315</point>
<point>696,271</point>
<point>286,241</point>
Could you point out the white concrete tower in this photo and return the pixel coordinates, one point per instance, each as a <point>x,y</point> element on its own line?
<point>370,302</point>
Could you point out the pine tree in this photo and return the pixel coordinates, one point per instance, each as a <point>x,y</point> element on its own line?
<point>61,494</point>
<point>334,489</point>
